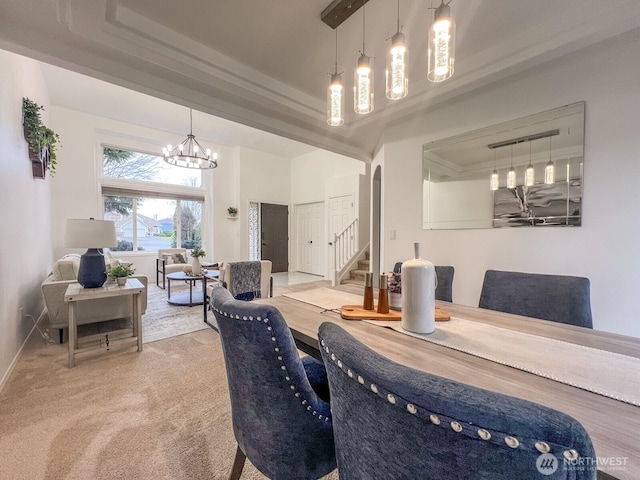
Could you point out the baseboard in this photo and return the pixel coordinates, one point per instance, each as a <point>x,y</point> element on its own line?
<point>7,374</point>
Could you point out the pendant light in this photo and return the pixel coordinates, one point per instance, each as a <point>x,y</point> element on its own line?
<point>511,174</point>
<point>529,173</point>
<point>441,44</point>
<point>363,81</point>
<point>550,169</point>
<point>397,60</point>
<point>190,154</point>
<point>335,95</point>
<point>495,179</point>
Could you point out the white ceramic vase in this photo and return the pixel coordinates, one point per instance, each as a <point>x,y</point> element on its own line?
<point>195,265</point>
<point>418,294</point>
<point>395,301</point>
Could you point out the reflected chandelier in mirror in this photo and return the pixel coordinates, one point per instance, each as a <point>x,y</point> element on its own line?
<point>526,172</point>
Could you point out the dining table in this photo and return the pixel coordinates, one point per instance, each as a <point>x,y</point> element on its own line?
<point>612,424</point>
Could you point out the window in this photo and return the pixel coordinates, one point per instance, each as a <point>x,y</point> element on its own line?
<point>153,204</point>
<point>254,231</point>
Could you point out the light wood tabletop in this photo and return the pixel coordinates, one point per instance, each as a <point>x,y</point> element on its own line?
<point>614,426</point>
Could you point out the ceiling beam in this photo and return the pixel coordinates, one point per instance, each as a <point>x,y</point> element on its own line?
<point>339,10</point>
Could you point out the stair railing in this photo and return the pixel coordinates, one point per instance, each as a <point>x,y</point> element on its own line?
<point>345,248</point>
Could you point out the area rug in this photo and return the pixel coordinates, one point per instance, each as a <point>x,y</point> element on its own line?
<point>163,320</point>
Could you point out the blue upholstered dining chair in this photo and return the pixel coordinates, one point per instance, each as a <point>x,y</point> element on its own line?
<point>394,422</point>
<point>281,418</point>
<point>444,274</point>
<point>560,298</point>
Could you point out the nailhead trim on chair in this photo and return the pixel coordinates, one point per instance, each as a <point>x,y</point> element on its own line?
<point>280,359</point>
<point>443,421</point>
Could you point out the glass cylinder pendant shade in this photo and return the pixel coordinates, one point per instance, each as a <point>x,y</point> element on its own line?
<point>363,86</point>
<point>511,178</point>
<point>495,180</point>
<point>335,101</point>
<point>550,173</point>
<point>441,45</point>
<point>397,60</point>
<point>529,176</point>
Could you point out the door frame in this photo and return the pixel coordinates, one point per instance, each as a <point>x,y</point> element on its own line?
<point>248,233</point>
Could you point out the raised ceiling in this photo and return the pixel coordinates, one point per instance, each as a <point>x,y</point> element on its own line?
<point>264,64</point>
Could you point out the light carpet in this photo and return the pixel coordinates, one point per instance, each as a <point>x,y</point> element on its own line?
<point>162,413</point>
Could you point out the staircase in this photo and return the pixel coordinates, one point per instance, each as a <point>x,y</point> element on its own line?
<point>356,276</point>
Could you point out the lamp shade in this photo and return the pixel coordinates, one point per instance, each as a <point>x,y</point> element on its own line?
<point>90,233</point>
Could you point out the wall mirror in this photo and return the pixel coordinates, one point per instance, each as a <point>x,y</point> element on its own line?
<point>522,173</point>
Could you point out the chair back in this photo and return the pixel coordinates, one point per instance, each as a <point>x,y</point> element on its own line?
<point>444,290</point>
<point>444,274</point>
<point>238,287</point>
<point>394,422</point>
<point>559,298</point>
<point>280,423</point>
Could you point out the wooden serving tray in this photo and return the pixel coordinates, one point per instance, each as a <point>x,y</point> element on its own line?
<point>356,312</point>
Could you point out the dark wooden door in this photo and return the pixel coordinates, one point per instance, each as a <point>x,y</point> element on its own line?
<point>274,233</point>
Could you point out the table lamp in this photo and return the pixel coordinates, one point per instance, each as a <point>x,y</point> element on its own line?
<point>93,235</point>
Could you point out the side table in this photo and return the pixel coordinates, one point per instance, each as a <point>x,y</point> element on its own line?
<point>76,293</point>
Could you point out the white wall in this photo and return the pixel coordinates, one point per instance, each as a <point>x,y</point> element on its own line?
<point>25,251</point>
<point>263,178</point>
<point>605,248</point>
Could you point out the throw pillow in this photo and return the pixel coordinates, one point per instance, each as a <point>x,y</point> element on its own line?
<point>66,268</point>
<point>168,258</point>
<point>179,258</point>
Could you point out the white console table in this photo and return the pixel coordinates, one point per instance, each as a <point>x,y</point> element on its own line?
<point>76,293</point>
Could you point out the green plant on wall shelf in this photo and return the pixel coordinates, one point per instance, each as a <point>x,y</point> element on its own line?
<point>233,211</point>
<point>41,139</point>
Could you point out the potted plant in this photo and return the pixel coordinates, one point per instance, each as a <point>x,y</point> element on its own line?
<point>196,254</point>
<point>41,139</point>
<point>233,211</point>
<point>119,273</point>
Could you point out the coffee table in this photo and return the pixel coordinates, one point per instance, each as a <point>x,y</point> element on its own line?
<point>191,297</point>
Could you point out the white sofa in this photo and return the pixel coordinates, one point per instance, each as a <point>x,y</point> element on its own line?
<point>65,272</point>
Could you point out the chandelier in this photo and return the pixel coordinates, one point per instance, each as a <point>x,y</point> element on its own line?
<point>363,80</point>
<point>190,154</point>
<point>335,95</point>
<point>441,44</point>
<point>440,59</point>
<point>529,174</point>
<point>397,61</point>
